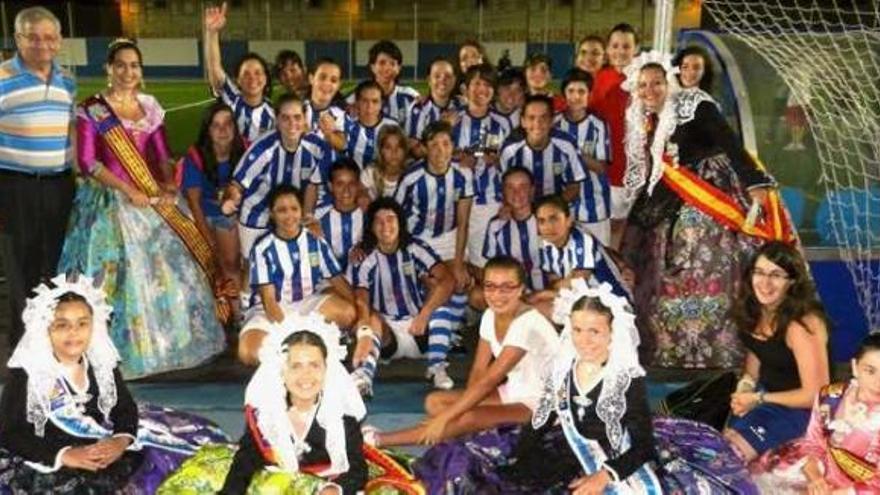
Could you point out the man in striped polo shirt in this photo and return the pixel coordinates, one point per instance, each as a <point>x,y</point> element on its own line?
<point>36,155</point>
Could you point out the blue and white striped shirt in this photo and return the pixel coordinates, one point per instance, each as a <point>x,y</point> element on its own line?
<point>488,131</point>
<point>396,105</point>
<point>398,102</point>
<point>590,134</point>
<point>393,280</point>
<point>429,201</point>
<point>423,113</point>
<point>35,117</point>
<point>294,267</point>
<point>341,229</point>
<point>553,167</point>
<point>252,122</point>
<point>592,138</point>
<point>519,239</point>
<point>514,117</point>
<point>342,121</point>
<point>266,164</point>
<point>361,144</point>
<point>581,252</point>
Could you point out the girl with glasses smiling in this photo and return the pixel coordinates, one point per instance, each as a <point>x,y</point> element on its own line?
<point>782,325</point>
<point>504,385</point>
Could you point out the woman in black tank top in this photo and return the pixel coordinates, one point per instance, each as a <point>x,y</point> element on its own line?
<point>782,325</point>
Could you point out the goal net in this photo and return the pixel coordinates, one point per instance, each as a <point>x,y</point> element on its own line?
<point>828,54</point>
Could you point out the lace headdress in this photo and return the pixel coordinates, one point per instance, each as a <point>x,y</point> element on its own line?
<point>35,356</point>
<point>635,140</point>
<point>622,365</point>
<point>267,393</point>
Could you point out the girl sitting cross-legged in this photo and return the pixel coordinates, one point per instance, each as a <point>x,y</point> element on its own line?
<point>68,423</point>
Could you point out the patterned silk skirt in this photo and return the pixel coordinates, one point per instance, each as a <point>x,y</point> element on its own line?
<point>688,268</point>
<point>163,307</point>
<point>135,473</point>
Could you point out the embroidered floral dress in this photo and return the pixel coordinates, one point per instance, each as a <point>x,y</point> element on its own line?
<point>688,264</point>
<point>163,307</point>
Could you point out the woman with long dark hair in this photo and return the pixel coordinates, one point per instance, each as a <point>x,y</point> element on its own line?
<point>784,329</point>
<point>206,170</point>
<point>694,68</point>
<point>129,229</point>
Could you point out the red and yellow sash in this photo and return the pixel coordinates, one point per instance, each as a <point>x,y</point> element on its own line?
<point>772,224</point>
<point>123,148</point>
<point>385,471</point>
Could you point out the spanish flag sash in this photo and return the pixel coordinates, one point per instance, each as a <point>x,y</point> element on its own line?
<point>123,148</point>
<point>772,224</point>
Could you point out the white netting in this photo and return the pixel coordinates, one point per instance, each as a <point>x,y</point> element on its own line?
<point>828,54</point>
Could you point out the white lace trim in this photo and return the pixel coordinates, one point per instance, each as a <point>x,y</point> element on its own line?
<point>687,102</point>
<point>635,140</point>
<point>34,352</point>
<point>622,366</point>
<point>267,394</point>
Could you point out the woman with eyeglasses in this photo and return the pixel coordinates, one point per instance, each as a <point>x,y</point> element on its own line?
<point>783,327</point>
<point>504,384</point>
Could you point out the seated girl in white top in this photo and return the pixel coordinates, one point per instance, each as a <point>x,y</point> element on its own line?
<point>515,343</point>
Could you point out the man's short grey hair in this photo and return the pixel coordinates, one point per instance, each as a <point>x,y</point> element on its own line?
<point>33,15</point>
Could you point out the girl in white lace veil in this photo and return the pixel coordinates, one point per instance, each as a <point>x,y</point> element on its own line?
<point>267,394</point>
<point>35,355</point>
<point>619,370</point>
<point>635,141</point>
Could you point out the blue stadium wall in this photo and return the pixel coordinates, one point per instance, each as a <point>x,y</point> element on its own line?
<point>90,63</point>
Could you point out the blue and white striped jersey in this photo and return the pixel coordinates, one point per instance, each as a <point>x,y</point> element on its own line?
<point>295,267</point>
<point>488,131</point>
<point>395,105</point>
<point>266,164</point>
<point>393,280</point>
<point>313,115</point>
<point>398,102</point>
<point>519,239</point>
<point>252,122</point>
<point>581,252</point>
<point>362,142</point>
<point>423,113</point>
<point>514,116</point>
<point>429,201</point>
<point>592,138</point>
<point>590,133</point>
<point>553,167</point>
<point>341,229</point>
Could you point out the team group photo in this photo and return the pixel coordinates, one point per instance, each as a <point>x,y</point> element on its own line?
<point>333,247</point>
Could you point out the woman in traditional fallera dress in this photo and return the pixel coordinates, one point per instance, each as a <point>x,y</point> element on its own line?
<point>302,434</point>
<point>688,232</point>
<point>128,229</point>
<point>840,452</point>
<point>68,423</point>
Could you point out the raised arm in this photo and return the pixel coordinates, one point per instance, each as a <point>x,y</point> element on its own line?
<point>215,20</point>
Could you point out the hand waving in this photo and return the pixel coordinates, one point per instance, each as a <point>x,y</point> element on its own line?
<point>215,17</point>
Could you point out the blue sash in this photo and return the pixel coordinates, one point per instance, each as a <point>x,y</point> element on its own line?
<point>67,416</point>
<point>591,456</point>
